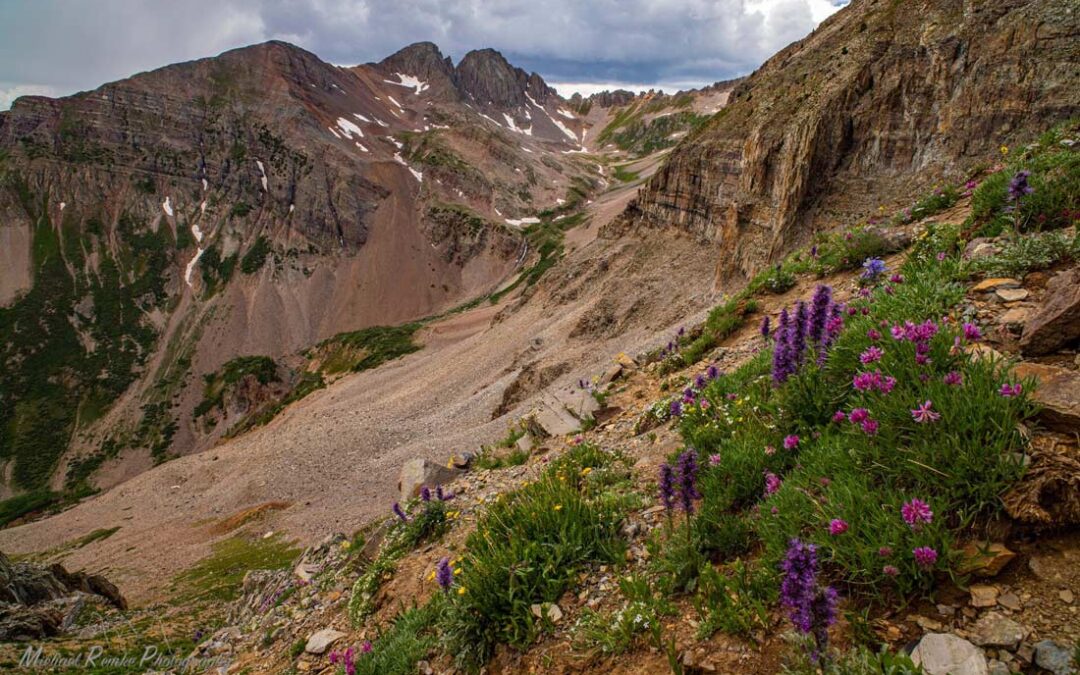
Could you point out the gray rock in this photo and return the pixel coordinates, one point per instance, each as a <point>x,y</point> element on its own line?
<point>319,642</point>
<point>1011,294</point>
<point>998,668</point>
<point>526,442</point>
<point>997,630</point>
<point>947,654</point>
<point>1055,657</point>
<point>419,472</point>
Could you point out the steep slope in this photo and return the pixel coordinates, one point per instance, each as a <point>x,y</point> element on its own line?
<point>883,96</point>
<point>254,203</point>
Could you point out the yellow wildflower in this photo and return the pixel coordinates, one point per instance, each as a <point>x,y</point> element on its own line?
<point>1004,150</point>
<point>461,590</point>
<point>431,577</point>
<point>558,507</point>
<point>457,571</point>
<point>586,471</point>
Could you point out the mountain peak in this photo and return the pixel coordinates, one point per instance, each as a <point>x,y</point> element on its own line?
<point>486,76</point>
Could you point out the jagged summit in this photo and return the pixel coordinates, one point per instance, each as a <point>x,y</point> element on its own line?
<point>489,79</point>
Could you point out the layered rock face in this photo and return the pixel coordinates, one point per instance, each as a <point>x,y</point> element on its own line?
<point>882,98</point>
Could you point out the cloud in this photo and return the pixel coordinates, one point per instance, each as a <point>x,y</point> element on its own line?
<point>47,44</point>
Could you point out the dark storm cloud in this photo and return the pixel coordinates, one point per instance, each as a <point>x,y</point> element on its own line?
<point>51,46</point>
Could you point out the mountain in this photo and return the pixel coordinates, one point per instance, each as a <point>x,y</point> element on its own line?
<point>882,98</point>
<point>253,204</point>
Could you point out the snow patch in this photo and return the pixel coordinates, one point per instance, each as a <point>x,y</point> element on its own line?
<point>394,101</point>
<point>381,123</point>
<point>197,233</point>
<point>361,118</point>
<point>362,148</point>
<point>166,206</point>
<point>514,127</point>
<point>191,267</point>
<point>202,206</point>
<point>349,128</point>
<point>560,200</point>
<point>566,113</point>
<point>292,207</point>
<point>409,82</point>
<point>336,134</point>
<point>416,174</point>
<point>205,185</point>
<point>62,205</point>
<point>262,171</point>
<point>521,221</point>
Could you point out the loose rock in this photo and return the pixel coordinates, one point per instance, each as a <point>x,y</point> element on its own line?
<point>997,630</point>
<point>947,654</point>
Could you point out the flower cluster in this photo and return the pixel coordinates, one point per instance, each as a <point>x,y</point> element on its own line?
<point>1018,186</point>
<point>873,268</point>
<point>444,575</point>
<point>874,381</point>
<point>916,513</point>
<point>815,326</point>
<point>679,485</point>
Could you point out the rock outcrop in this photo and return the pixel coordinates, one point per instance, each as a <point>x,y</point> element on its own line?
<point>882,98</point>
<point>1057,322</point>
<point>37,601</point>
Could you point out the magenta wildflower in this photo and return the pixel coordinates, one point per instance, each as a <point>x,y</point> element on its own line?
<point>953,378</point>
<point>890,570</point>
<point>1010,390</point>
<point>885,551</point>
<point>897,279</point>
<point>941,256</point>
<point>837,526</point>
<point>971,332</point>
<point>870,427</point>
<point>924,414</point>
<point>925,557</point>
<point>872,354</point>
<point>916,512</point>
<point>714,459</point>
<point>365,646</point>
<point>772,483</point>
<point>873,334</point>
<point>791,442</point>
<point>839,416</point>
<point>859,415</point>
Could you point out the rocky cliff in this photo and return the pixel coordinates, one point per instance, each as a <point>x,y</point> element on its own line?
<point>882,97</point>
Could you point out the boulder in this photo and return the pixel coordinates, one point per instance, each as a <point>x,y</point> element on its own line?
<point>319,642</point>
<point>526,442</point>
<point>1057,322</point>
<point>983,596</point>
<point>416,473</point>
<point>611,374</point>
<point>1055,657</point>
<point>947,654</point>
<point>997,630</point>
<point>1011,294</point>
<point>1058,393</point>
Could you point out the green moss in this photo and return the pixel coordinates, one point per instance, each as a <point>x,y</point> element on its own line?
<point>219,577</point>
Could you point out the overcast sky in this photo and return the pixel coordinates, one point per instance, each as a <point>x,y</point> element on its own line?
<point>58,47</point>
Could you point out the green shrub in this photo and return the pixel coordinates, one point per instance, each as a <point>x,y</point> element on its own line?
<point>256,256</point>
<point>526,550</point>
<point>397,650</point>
<point>1030,253</point>
<point>14,508</point>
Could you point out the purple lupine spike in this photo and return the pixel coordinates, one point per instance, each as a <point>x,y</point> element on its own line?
<point>798,333</point>
<point>821,308</point>
<point>765,328</point>
<point>782,360</point>
<point>799,581</point>
<point>667,487</point>
<point>712,372</point>
<point>688,470</point>
<point>443,574</point>
<point>699,382</point>
<point>399,513</point>
<point>425,493</point>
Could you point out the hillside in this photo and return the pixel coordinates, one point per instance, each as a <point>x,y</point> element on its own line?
<point>253,205</point>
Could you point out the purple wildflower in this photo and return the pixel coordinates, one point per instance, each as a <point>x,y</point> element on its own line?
<point>925,557</point>
<point>676,408</point>
<point>837,526</point>
<point>425,493</point>
<point>667,486</point>
<point>797,589</point>
<point>953,378</point>
<point>765,328</point>
<point>772,483</point>
<point>688,470</point>
<point>712,372</point>
<point>871,355</point>
<point>365,646</point>
<point>859,415</point>
<point>885,551</point>
<point>441,496</point>
<point>1009,390</point>
<point>783,365</point>
<point>873,335</point>
<point>916,512</point>
<point>699,382</point>
<point>971,332</point>
<point>1018,186</point>
<point>798,334</point>
<point>399,512</point>
<point>791,442</point>
<point>839,416</point>
<point>873,268</point>
<point>821,309</point>
<point>924,414</point>
<point>870,427</point>
<point>443,574</point>
<point>714,459</point>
